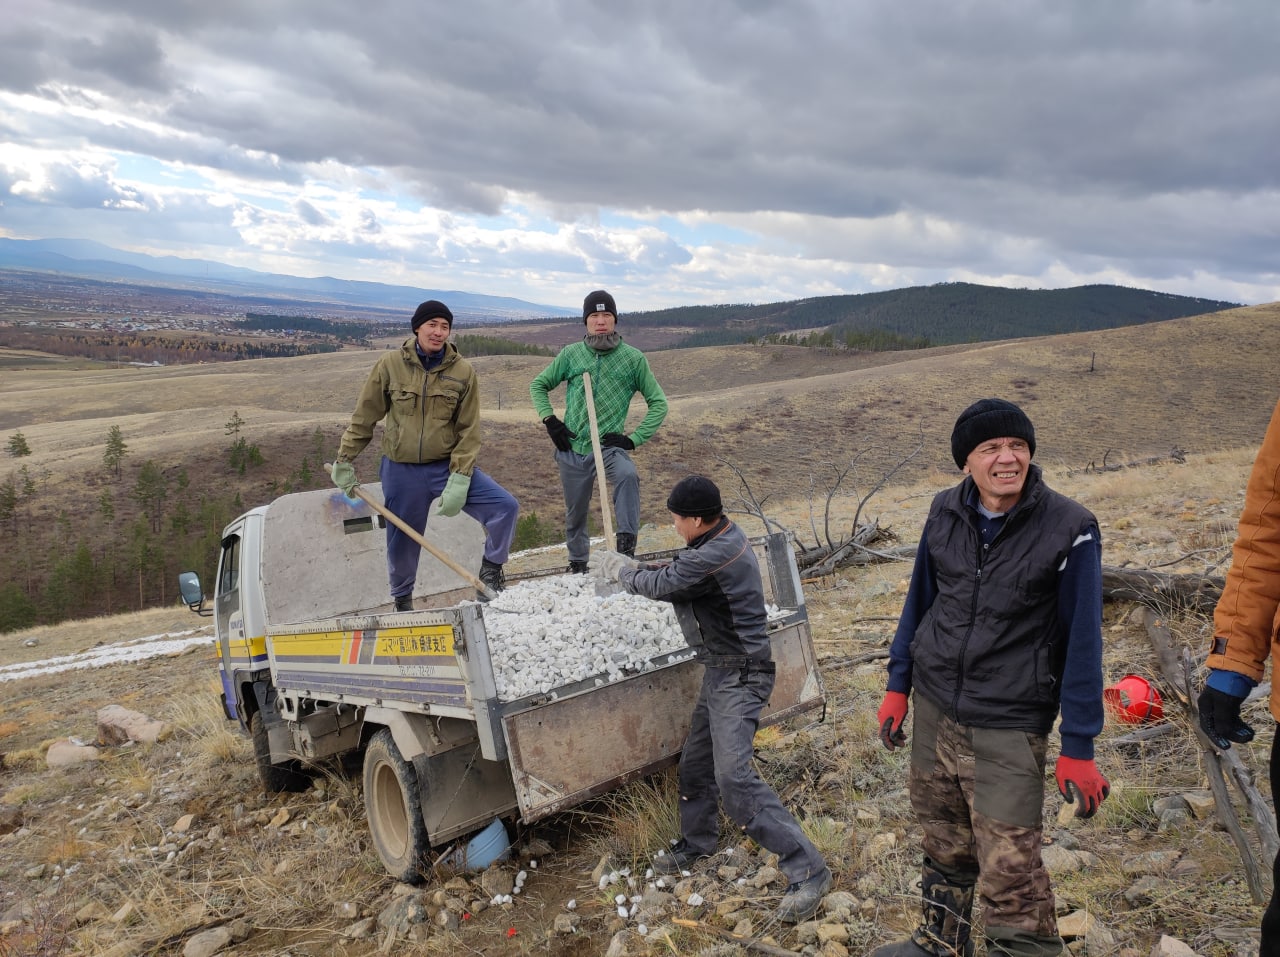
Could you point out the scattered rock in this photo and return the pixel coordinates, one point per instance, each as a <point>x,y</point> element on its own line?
<point>880,845</point>
<point>10,818</point>
<point>360,930</point>
<point>1201,804</point>
<point>207,942</point>
<point>499,880</point>
<point>1150,862</point>
<point>1173,802</point>
<point>65,753</point>
<point>1059,860</point>
<point>118,725</point>
<point>1174,819</point>
<point>1143,890</point>
<point>1171,947</point>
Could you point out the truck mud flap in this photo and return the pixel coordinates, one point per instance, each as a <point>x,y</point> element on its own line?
<point>461,792</point>
<point>576,748</point>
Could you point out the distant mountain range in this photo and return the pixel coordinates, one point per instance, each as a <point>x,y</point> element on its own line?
<point>910,318</point>
<point>92,260</point>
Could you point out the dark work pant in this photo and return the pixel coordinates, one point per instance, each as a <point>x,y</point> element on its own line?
<point>578,478</point>
<point>1270,944</point>
<point>718,764</point>
<point>410,488</point>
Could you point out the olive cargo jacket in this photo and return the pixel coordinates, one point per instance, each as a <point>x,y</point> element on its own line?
<point>1247,618</point>
<point>429,415</point>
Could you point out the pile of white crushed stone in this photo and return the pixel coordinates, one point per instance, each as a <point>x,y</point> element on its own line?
<point>550,632</point>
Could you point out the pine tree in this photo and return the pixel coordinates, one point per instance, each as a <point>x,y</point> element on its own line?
<point>18,446</point>
<point>150,492</point>
<point>115,450</point>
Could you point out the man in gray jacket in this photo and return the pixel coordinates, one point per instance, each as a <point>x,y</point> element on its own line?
<point>718,595</point>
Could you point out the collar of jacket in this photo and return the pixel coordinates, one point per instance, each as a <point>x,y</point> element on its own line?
<point>712,532</point>
<point>409,352</point>
<point>606,342</point>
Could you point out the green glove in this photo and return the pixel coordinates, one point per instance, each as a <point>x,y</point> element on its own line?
<point>454,495</point>
<point>344,476</point>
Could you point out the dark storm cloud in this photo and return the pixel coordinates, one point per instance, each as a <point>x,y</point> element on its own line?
<point>1012,134</point>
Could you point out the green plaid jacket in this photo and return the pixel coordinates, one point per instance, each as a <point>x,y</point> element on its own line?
<point>616,376</point>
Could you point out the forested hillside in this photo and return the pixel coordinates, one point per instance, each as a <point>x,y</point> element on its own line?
<point>922,316</point>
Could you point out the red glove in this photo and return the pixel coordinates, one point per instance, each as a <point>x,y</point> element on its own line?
<point>1078,778</point>
<point>893,711</point>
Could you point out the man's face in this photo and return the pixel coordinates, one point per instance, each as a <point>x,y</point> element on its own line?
<point>686,526</point>
<point>999,469</point>
<point>432,334</point>
<point>601,323</point>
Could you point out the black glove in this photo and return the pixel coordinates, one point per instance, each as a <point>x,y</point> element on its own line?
<point>559,433</point>
<point>616,440</point>
<point>1220,718</point>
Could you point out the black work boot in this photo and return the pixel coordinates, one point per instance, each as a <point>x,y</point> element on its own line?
<point>404,602</point>
<point>802,898</point>
<point>626,544</point>
<point>944,928</point>
<point>491,574</point>
<point>577,568</point>
<point>680,858</point>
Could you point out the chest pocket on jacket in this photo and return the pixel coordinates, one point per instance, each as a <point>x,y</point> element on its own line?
<point>442,402</point>
<point>405,400</point>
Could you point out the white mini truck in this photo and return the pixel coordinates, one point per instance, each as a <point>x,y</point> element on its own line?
<point>316,664</point>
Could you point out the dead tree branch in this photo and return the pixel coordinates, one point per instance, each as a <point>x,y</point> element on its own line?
<point>1177,669</point>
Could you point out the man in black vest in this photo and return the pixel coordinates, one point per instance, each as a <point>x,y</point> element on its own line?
<point>1001,630</point>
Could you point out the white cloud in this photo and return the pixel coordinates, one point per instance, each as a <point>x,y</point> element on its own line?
<point>722,151</point>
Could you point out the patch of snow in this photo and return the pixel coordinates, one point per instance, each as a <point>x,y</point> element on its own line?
<point>135,649</point>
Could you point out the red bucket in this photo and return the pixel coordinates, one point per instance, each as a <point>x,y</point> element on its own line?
<point>1133,700</point>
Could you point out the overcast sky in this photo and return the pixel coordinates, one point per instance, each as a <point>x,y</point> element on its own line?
<point>672,151</point>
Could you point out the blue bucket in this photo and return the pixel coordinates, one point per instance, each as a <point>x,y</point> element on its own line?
<point>490,845</point>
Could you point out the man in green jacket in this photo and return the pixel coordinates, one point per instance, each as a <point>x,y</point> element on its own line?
<point>618,371</point>
<point>430,399</point>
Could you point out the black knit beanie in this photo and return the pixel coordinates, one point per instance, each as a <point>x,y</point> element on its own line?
<point>989,419</point>
<point>695,497</point>
<point>431,309</point>
<point>598,301</point>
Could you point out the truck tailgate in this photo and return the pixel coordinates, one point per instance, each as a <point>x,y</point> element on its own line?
<point>568,750</point>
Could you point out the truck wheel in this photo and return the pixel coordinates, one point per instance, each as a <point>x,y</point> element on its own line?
<point>394,809</point>
<point>275,777</point>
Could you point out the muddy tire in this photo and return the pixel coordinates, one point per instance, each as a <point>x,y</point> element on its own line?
<point>275,777</point>
<point>394,809</point>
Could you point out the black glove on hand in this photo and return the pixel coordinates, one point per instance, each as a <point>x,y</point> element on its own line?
<point>559,433</point>
<point>1220,718</point>
<point>616,440</point>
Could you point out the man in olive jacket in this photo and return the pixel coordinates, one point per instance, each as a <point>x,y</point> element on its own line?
<point>429,396</point>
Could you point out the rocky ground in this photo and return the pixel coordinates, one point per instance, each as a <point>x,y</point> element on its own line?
<point>172,848</point>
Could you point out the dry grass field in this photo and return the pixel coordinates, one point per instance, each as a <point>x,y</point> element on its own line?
<point>97,868</point>
<point>781,415</point>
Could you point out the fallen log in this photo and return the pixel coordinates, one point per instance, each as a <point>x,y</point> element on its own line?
<point>1160,590</point>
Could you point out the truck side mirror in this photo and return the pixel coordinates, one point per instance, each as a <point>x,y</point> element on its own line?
<point>192,593</point>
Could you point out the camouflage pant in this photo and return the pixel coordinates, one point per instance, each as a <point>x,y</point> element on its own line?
<point>978,794</point>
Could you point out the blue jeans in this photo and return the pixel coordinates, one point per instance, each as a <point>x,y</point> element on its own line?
<point>718,764</point>
<point>409,488</point>
<point>578,478</point>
